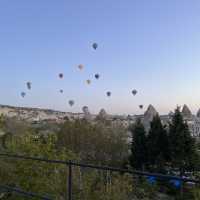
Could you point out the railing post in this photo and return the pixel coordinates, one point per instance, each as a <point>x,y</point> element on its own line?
<point>181,189</point>
<point>70,181</point>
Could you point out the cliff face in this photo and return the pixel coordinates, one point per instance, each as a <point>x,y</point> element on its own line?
<point>186,112</point>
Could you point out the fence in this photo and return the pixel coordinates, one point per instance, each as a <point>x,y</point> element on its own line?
<point>71,164</point>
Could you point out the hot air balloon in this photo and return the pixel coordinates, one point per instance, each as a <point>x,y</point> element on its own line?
<point>134,92</point>
<point>108,94</point>
<point>23,94</point>
<point>80,66</point>
<point>28,84</point>
<point>61,75</point>
<point>88,82</point>
<point>141,106</point>
<point>95,46</point>
<point>61,91</point>
<point>71,102</point>
<point>97,76</point>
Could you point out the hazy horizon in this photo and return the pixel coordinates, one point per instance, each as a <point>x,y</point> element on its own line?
<point>151,46</point>
<point>81,111</point>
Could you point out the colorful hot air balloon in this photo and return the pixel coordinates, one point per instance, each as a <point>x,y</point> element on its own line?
<point>95,46</point>
<point>134,92</point>
<point>28,84</point>
<point>80,66</point>
<point>88,82</point>
<point>141,106</point>
<point>61,75</point>
<point>71,102</point>
<point>23,94</point>
<point>97,76</point>
<point>108,94</point>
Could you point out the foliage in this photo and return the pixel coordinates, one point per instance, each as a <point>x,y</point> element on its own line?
<point>32,175</point>
<point>95,143</point>
<point>138,156</point>
<point>2,122</point>
<point>182,145</point>
<point>99,143</point>
<point>51,179</point>
<point>157,145</point>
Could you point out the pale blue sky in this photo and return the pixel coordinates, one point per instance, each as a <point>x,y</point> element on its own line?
<point>150,45</point>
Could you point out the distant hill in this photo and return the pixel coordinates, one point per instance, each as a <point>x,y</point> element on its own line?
<point>36,114</point>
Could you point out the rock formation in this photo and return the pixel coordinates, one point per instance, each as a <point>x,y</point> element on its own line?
<point>148,116</point>
<point>150,113</point>
<point>186,112</point>
<point>86,112</point>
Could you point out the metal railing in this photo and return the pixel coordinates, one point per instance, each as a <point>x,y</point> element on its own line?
<point>70,165</point>
<point>23,193</point>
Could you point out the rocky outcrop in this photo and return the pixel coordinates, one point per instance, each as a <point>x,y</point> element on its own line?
<point>186,112</point>
<point>148,116</point>
<point>150,113</point>
<point>86,112</point>
<point>36,114</point>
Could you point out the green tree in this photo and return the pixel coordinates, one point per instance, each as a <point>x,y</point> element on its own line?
<point>182,145</point>
<point>157,144</point>
<point>29,175</point>
<point>138,156</point>
<point>3,132</point>
<point>95,143</point>
<point>2,122</point>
